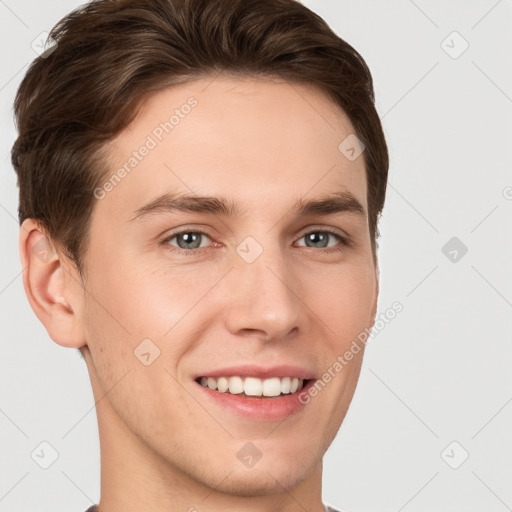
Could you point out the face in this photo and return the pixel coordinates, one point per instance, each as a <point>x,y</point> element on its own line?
<point>245,285</point>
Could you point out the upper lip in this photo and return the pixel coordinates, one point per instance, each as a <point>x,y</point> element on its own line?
<point>261,372</point>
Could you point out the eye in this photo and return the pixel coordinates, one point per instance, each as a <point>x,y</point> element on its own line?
<point>320,239</point>
<point>187,240</point>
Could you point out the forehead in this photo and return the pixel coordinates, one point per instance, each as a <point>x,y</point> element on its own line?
<point>256,140</point>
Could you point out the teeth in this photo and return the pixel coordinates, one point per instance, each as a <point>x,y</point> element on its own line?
<point>253,386</point>
<point>272,387</point>
<point>236,385</point>
<point>222,384</point>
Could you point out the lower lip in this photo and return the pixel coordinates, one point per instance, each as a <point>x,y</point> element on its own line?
<point>259,408</point>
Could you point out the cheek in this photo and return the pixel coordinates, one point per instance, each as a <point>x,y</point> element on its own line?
<point>343,300</point>
<point>138,302</point>
<point>128,303</point>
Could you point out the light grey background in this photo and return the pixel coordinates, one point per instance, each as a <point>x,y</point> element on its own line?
<point>439,372</point>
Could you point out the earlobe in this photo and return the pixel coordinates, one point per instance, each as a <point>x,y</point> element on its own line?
<point>49,290</point>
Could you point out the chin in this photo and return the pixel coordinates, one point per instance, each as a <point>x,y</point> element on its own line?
<point>264,481</point>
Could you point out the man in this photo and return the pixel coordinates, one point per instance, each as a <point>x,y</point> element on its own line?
<point>200,187</point>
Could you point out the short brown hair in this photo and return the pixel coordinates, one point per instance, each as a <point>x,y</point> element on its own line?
<point>111,55</point>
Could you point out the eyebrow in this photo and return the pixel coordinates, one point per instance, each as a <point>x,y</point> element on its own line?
<point>340,202</point>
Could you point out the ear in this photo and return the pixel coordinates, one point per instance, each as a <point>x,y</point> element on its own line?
<point>52,289</point>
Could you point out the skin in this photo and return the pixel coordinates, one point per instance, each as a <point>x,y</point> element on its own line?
<point>163,447</point>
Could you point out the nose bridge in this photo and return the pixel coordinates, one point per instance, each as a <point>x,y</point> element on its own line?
<point>263,294</point>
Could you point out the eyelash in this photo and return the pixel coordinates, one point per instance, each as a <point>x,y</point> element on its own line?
<point>189,252</point>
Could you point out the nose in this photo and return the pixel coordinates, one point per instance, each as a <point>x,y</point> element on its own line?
<point>264,297</point>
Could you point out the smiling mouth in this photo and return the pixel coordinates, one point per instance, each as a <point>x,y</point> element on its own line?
<point>253,387</point>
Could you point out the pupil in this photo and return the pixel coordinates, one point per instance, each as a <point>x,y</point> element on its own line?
<point>321,236</point>
<point>189,238</point>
